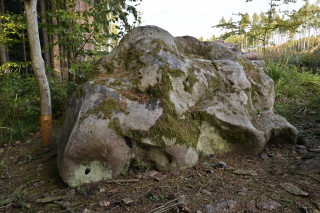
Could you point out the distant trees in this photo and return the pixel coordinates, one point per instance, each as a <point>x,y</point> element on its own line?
<point>72,31</point>
<point>275,27</point>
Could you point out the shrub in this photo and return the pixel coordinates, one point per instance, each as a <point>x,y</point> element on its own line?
<point>295,88</point>
<point>20,105</point>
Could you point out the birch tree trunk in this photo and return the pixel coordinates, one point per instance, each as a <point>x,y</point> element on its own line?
<point>45,33</point>
<point>39,71</point>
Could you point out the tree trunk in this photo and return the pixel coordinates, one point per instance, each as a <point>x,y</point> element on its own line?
<point>3,53</point>
<point>39,71</point>
<point>24,52</point>
<point>45,34</point>
<point>56,48</point>
<point>5,45</point>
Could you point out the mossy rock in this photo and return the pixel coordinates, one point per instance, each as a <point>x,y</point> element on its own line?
<point>159,100</point>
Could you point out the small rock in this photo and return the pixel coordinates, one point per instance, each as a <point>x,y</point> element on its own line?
<point>270,205</point>
<point>36,184</point>
<point>151,173</point>
<point>104,203</point>
<point>242,191</point>
<point>301,149</point>
<point>160,178</point>
<point>207,164</point>
<point>315,149</point>
<point>222,164</point>
<point>127,201</point>
<point>245,172</point>
<point>278,155</point>
<point>1,150</point>
<point>88,211</point>
<point>293,189</point>
<point>28,141</point>
<point>102,190</point>
<point>223,206</point>
<point>264,156</point>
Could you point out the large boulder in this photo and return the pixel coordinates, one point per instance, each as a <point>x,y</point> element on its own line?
<point>160,100</point>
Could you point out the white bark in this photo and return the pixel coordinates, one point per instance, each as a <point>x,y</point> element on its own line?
<point>36,57</point>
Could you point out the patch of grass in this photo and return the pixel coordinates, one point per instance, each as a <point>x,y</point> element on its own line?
<point>20,105</point>
<point>295,89</point>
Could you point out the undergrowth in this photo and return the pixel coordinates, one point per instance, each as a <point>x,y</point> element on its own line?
<point>20,105</point>
<point>296,89</point>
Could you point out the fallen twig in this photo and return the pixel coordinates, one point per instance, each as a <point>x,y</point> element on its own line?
<point>165,207</point>
<point>309,176</point>
<point>122,181</point>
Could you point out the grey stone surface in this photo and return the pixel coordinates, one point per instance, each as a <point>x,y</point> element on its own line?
<point>159,100</point>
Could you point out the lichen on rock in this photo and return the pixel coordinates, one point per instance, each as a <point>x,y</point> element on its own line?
<point>159,100</point>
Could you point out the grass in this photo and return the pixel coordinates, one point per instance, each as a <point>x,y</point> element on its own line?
<point>296,88</point>
<point>20,105</point>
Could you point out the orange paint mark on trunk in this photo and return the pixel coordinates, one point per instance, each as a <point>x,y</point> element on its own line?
<point>46,129</point>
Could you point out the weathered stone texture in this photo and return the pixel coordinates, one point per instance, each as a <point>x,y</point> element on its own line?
<point>160,100</point>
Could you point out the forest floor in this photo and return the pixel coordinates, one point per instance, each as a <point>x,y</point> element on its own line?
<point>284,178</point>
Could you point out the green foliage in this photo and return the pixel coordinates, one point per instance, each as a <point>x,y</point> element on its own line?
<point>20,105</point>
<point>100,27</point>
<point>295,89</point>
<point>12,24</point>
<point>306,60</point>
<point>15,67</point>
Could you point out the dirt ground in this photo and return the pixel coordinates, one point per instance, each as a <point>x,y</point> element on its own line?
<point>284,178</point>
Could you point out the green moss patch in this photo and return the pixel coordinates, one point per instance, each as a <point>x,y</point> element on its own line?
<point>115,125</point>
<point>139,97</point>
<point>230,137</point>
<point>251,70</point>
<point>169,125</point>
<point>159,45</point>
<point>190,81</point>
<point>107,108</point>
<point>115,83</point>
<point>133,59</point>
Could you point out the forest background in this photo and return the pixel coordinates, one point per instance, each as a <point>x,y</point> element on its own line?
<point>75,34</point>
